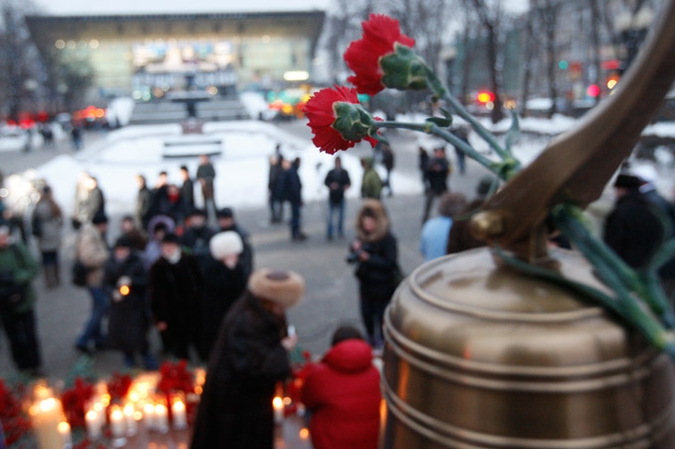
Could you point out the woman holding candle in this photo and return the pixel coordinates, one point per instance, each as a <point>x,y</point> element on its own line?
<point>249,357</point>
<point>126,281</point>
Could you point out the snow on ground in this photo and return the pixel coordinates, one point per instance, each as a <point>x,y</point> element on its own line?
<point>241,169</point>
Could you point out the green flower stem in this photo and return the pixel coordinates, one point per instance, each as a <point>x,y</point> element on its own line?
<point>431,128</point>
<point>439,89</point>
<point>625,306</point>
<point>610,268</point>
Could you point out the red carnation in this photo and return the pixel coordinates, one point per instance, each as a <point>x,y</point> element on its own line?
<point>322,115</point>
<point>380,34</point>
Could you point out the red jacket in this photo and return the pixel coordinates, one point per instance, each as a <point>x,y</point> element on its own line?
<point>343,395</point>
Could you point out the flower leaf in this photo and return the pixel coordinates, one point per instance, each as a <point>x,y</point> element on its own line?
<point>443,122</point>
<point>446,113</point>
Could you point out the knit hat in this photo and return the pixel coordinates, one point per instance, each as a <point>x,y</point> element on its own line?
<point>225,244</point>
<point>285,288</point>
<point>124,242</point>
<point>195,211</point>
<point>225,212</point>
<point>171,238</point>
<point>627,181</point>
<point>99,218</point>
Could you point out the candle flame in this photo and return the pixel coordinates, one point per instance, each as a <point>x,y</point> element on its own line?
<point>304,433</point>
<point>277,402</point>
<point>124,290</point>
<point>63,428</point>
<point>47,404</point>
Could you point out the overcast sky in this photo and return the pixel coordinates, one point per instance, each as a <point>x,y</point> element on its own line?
<point>86,7</point>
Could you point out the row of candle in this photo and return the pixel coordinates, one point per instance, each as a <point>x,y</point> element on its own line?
<point>124,419</point>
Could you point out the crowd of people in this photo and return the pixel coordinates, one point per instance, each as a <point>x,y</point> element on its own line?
<point>189,273</point>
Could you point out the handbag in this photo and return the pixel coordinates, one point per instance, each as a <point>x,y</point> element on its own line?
<point>79,274</point>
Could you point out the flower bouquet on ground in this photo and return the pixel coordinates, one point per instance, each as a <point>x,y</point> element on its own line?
<point>385,58</point>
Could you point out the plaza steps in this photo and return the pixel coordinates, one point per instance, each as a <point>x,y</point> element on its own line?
<point>147,113</point>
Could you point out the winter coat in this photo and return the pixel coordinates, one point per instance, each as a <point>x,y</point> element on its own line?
<point>128,318</point>
<point>91,250</point>
<point>343,395</point>
<point>143,206</point>
<point>222,287</point>
<point>438,170</point>
<point>292,186</point>
<point>247,361</point>
<point>187,192</point>
<point>49,226</point>
<point>274,185</point>
<point>17,270</point>
<point>196,241</point>
<point>378,275</point>
<point>460,238</point>
<point>341,178</point>
<point>175,296</point>
<point>434,237</point>
<point>632,229</point>
<point>371,184</point>
<point>88,203</point>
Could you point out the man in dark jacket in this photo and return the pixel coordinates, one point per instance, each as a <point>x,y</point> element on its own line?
<point>293,194</point>
<point>343,394</point>
<point>632,229</point>
<point>187,191</point>
<point>337,180</point>
<point>197,236</point>
<point>175,291</point>
<point>275,189</point>
<point>250,357</point>
<point>375,253</point>
<point>438,171</point>
<point>228,222</point>
<point>142,212</point>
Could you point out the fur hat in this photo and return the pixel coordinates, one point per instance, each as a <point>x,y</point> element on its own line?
<point>627,181</point>
<point>285,288</point>
<point>99,218</point>
<point>225,244</point>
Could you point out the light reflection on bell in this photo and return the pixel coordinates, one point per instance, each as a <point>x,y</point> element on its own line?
<point>480,356</point>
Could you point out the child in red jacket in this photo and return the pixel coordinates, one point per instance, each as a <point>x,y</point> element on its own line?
<point>343,395</point>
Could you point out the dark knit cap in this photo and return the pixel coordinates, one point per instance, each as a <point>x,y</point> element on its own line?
<point>171,238</point>
<point>627,181</point>
<point>99,218</point>
<point>124,242</point>
<point>225,212</point>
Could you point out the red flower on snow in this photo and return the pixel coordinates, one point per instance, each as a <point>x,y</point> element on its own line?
<point>380,34</point>
<point>337,130</point>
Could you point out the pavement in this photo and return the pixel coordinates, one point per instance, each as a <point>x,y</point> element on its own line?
<point>331,292</point>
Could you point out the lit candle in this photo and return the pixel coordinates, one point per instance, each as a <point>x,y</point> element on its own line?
<point>47,416</point>
<point>179,414</point>
<point>278,405</point>
<point>117,422</point>
<point>99,408</point>
<point>162,418</point>
<point>149,416</point>
<point>130,419</point>
<point>66,437</point>
<point>93,425</point>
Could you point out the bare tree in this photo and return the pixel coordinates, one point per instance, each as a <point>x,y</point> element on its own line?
<point>546,13</point>
<point>490,15</point>
<point>18,59</point>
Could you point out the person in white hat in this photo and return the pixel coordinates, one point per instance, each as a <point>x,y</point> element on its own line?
<point>249,358</point>
<point>224,281</point>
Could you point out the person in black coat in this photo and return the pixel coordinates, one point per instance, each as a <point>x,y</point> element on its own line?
<point>142,212</point>
<point>275,189</point>
<point>224,281</point>
<point>632,229</point>
<point>197,236</point>
<point>250,357</point>
<point>437,172</point>
<point>293,194</point>
<point>187,190</point>
<point>175,291</point>
<point>375,253</point>
<point>337,180</point>
<point>126,282</point>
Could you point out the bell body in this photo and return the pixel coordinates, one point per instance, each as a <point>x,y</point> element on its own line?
<point>480,356</point>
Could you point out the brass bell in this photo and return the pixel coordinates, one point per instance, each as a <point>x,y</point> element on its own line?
<point>481,356</point>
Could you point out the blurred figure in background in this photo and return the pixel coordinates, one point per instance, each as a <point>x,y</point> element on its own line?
<point>460,238</point>
<point>275,189</point>
<point>371,184</point>
<point>17,302</point>
<point>143,203</point>
<point>227,222</point>
<point>337,180</point>
<point>224,281</point>
<point>175,284</point>
<point>125,281</point>
<point>438,171</point>
<point>131,232</point>
<point>187,191</point>
<point>342,394</point>
<point>47,224</point>
<point>435,232</point>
